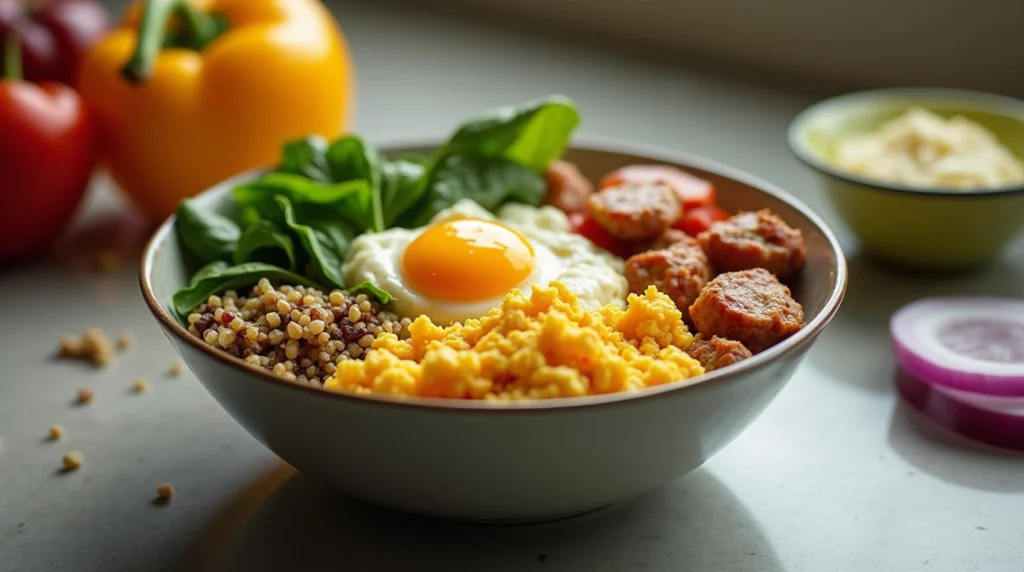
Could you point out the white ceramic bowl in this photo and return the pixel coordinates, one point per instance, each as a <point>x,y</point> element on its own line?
<point>508,462</point>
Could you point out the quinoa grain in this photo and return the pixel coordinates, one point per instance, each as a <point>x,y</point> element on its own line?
<point>56,432</point>
<point>295,332</point>
<point>175,369</point>
<point>73,460</point>
<point>84,396</point>
<point>140,386</point>
<point>125,340</point>
<point>164,492</point>
<point>93,345</point>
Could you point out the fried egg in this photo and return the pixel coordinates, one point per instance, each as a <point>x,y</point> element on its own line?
<point>466,260</point>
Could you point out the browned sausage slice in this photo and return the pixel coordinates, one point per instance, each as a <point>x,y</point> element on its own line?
<point>635,211</point>
<point>749,306</point>
<point>679,272</point>
<point>568,188</point>
<point>715,352</point>
<point>755,240</point>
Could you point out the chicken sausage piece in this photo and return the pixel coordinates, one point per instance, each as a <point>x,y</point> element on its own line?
<point>749,306</point>
<point>633,211</point>
<point>679,271</point>
<point>755,240</point>
<point>667,238</point>
<point>715,352</point>
<point>568,188</point>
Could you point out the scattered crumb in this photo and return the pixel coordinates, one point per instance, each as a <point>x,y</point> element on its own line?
<point>140,385</point>
<point>56,432</point>
<point>164,492</point>
<point>176,369</point>
<point>73,460</point>
<point>84,396</point>
<point>125,340</point>
<point>70,346</point>
<point>107,260</point>
<point>93,345</point>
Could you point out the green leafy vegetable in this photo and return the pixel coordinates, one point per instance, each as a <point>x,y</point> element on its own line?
<point>351,200</point>
<point>204,234</point>
<point>402,185</point>
<point>215,279</point>
<point>305,157</point>
<point>325,238</point>
<point>209,270</point>
<point>491,182</point>
<point>264,241</point>
<point>353,160</point>
<point>531,134</point>
<point>373,289</point>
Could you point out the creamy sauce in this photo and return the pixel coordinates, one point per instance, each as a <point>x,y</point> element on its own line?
<point>923,149</point>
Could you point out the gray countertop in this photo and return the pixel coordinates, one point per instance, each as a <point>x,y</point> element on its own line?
<point>837,474</point>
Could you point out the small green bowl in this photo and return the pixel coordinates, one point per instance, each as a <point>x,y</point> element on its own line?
<point>913,227</point>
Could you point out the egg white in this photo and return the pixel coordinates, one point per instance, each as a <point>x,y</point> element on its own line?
<point>595,276</point>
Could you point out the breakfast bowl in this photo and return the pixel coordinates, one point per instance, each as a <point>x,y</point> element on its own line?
<point>510,461</point>
<point>915,225</point>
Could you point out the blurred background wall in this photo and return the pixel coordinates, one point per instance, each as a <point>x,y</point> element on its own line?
<point>835,44</point>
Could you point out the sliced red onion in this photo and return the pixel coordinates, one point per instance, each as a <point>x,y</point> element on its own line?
<point>997,421</point>
<point>970,344</point>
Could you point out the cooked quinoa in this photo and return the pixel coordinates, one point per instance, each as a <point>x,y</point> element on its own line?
<point>298,333</point>
<point>93,345</point>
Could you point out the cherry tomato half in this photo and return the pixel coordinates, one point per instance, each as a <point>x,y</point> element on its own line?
<point>693,191</point>
<point>697,220</point>
<point>589,228</point>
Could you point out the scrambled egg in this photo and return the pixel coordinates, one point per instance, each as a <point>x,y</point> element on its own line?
<point>539,346</point>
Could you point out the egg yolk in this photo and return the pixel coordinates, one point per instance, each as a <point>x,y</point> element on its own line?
<point>468,259</point>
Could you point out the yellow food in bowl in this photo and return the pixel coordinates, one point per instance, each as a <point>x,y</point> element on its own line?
<point>923,149</point>
<point>542,345</point>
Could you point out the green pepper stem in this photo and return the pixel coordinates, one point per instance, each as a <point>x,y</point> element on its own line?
<point>202,27</point>
<point>156,14</point>
<point>12,56</point>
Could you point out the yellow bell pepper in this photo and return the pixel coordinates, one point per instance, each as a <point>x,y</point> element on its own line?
<point>191,93</point>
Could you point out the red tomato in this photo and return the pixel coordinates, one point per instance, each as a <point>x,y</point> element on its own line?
<point>47,154</point>
<point>693,191</point>
<point>589,228</point>
<point>696,221</point>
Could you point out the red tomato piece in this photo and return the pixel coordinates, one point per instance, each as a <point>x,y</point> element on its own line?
<point>47,155</point>
<point>693,191</point>
<point>697,220</point>
<point>590,229</point>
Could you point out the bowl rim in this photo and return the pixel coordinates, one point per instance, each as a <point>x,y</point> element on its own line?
<point>983,101</point>
<point>599,144</point>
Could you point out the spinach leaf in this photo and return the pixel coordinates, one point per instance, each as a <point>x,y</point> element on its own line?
<point>265,242</point>
<point>351,199</point>
<point>208,270</point>
<point>214,279</point>
<point>204,234</point>
<point>305,157</point>
<point>351,159</point>
<point>531,134</point>
<point>402,185</point>
<point>325,238</point>
<point>374,290</point>
<point>490,181</point>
